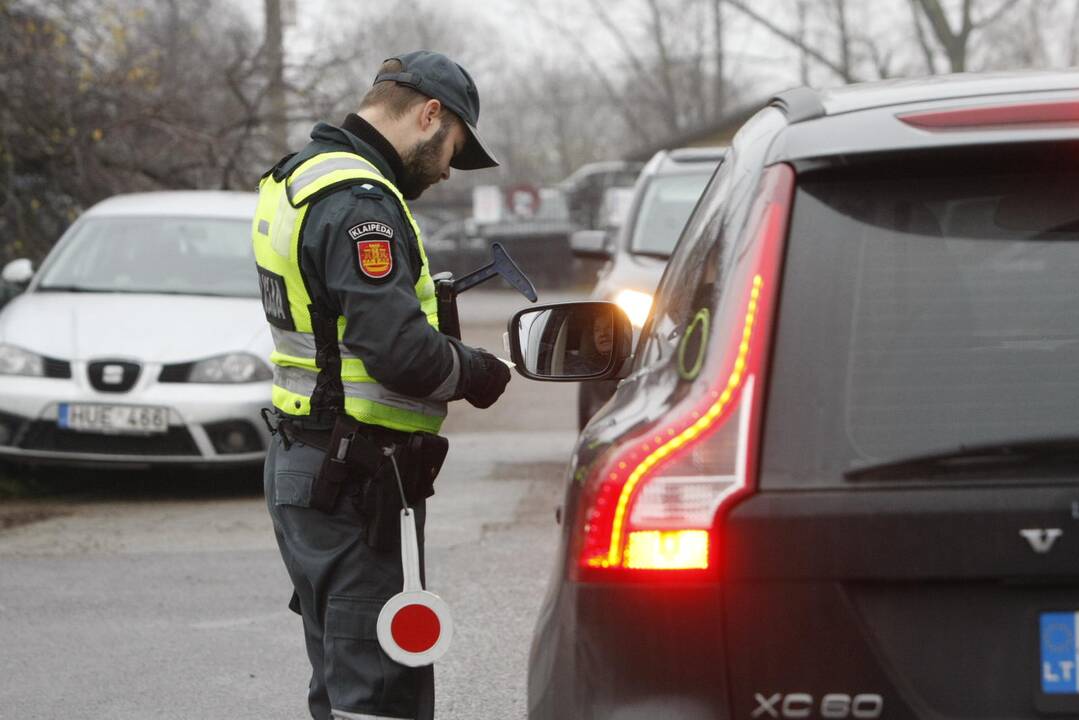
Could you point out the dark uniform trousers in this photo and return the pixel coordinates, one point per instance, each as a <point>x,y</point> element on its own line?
<point>341,584</point>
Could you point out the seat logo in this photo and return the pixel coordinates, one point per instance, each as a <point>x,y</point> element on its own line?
<point>112,374</point>
<point>1041,539</point>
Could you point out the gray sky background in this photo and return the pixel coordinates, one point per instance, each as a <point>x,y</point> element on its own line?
<point>757,61</point>
<point>754,56</point>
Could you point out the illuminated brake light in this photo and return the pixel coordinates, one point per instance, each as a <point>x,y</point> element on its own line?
<point>1065,112</point>
<point>653,504</point>
<point>667,550</point>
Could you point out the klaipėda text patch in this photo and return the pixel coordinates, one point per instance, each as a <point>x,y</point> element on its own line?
<point>370,228</point>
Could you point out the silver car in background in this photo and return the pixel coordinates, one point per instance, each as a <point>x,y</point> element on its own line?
<point>636,252</point>
<point>141,340</point>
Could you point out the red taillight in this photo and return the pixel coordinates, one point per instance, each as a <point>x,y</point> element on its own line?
<point>651,507</point>
<point>1064,112</point>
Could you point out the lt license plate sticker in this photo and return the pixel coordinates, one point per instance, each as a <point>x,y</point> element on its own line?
<point>114,419</point>
<point>1060,657</point>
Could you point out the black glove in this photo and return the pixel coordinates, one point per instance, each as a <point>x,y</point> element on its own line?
<point>483,376</point>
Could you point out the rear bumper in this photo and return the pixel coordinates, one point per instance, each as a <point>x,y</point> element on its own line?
<point>630,652</point>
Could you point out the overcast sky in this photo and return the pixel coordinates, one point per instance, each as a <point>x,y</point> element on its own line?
<point>752,53</point>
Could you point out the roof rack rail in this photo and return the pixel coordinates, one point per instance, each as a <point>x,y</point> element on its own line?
<point>799,104</point>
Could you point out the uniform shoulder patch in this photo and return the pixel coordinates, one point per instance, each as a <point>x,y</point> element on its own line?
<point>374,249</point>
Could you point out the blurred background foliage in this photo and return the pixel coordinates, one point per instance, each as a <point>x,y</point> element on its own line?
<point>99,97</point>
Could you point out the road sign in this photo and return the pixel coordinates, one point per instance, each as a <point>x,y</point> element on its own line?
<point>414,626</point>
<point>523,200</point>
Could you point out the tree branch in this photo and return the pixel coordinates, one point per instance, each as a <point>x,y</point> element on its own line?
<point>743,7</point>
<point>618,98</point>
<point>623,43</point>
<point>995,15</point>
<point>1073,44</point>
<point>923,41</point>
<point>844,36</point>
<point>955,45</point>
<point>670,107</point>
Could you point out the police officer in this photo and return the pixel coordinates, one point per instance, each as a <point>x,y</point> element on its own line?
<point>361,371</point>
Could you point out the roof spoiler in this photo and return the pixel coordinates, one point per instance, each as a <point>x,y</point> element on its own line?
<point>799,104</point>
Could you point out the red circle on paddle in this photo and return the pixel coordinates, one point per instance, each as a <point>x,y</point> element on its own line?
<point>415,628</point>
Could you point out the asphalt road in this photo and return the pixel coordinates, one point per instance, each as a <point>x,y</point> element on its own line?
<point>163,596</point>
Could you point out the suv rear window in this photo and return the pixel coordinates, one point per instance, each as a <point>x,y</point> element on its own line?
<point>923,315</point>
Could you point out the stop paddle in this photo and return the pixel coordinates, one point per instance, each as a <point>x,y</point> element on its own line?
<point>414,626</point>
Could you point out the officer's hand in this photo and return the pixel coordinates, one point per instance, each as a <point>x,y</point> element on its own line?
<point>483,376</point>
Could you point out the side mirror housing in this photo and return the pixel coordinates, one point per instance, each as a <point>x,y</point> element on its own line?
<point>590,244</point>
<point>18,272</point>
<point>571,341</point>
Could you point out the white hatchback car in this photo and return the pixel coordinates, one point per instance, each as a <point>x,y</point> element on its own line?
<point>141,340</point>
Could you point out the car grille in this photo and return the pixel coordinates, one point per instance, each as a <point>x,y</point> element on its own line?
<point>113,375</point>
<point>177,373</point>
<point>57,368</point>
<point>45,435</point>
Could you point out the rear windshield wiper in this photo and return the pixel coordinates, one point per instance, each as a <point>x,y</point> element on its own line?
<point>995,458</point>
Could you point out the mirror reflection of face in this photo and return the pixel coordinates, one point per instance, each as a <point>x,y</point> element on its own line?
<point>603,333</point>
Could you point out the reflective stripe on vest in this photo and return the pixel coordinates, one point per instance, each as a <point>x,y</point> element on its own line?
<point>276,233</point>
<point>367,401</point>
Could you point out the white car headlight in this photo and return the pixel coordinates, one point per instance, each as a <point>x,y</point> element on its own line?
<point>635,304</point>
<point>16,361</point>
<point>231,368</point>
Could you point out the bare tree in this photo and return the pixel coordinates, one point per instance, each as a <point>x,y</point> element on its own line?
<point>275,70</point>
<point>860,55</point>
<point>719,79</point>
<point>1073,36</point>
<point>923,38</point>
<point>99,98</point>
<point>667,72</point>
<point>793,38</point>
<point>955,42</point>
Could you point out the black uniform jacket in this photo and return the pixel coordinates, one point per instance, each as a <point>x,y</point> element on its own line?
<point>384,324</point>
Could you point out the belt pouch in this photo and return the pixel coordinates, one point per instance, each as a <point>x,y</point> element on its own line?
<point>336,468</point>
<point>382,510</point>
<point>426,453</point>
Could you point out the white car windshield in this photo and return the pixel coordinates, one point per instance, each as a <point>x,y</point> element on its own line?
<point>668,200</point>
<point>177,255</point>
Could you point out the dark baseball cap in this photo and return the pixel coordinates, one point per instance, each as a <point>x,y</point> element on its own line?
<point>438,77</point>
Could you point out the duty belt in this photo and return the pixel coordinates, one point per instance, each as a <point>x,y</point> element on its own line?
<point>317,433</point>
<point>355,456</point>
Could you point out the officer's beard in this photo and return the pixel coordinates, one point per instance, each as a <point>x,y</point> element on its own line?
<point>423,164</point>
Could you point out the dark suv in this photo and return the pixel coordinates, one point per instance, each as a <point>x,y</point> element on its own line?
<point>840,477</point>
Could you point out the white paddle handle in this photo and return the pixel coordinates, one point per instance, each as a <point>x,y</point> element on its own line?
<point>410,551</point>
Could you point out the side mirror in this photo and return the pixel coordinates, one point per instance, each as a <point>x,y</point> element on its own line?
<point>571,341</point>
<point>590,244</point>
<point>17,272</point>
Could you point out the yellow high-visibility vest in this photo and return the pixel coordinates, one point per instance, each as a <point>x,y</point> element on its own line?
<point>279,220</point>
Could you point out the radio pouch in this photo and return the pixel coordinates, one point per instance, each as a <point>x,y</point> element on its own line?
<point>426,453</point>
<point>350,457</point>
<point>419,460</point>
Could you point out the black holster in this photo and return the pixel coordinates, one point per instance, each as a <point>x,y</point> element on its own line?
<point>419,460</point>
<point>351,458</point>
